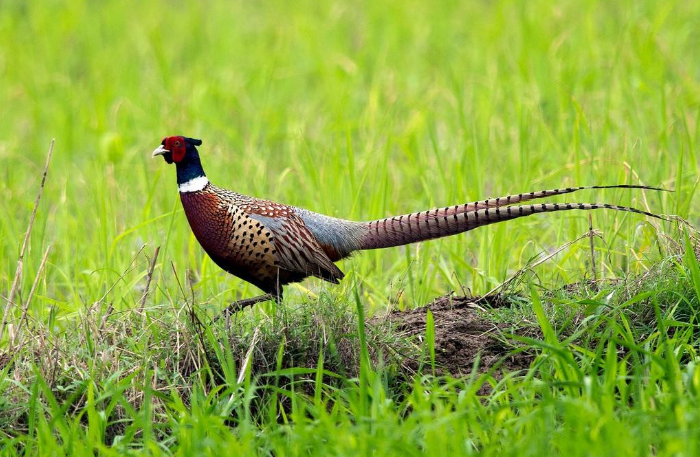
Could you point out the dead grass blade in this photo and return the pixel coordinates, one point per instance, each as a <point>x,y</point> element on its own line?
<point>25,308</point>
<point>149,278</point>
<point>27,235</point>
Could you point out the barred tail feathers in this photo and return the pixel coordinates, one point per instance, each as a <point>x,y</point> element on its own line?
<point>520,198</point>
<point>414,227</point>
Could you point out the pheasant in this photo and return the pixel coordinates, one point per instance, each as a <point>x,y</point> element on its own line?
<point>271,245</point>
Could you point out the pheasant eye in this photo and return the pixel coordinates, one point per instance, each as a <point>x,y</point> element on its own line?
<point>177,144</point>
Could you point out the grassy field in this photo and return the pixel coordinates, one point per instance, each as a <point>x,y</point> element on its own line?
<point>357,110</point>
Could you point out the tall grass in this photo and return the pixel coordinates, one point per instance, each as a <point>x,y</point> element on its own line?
<point>615,385</point>
<point>357,110</point>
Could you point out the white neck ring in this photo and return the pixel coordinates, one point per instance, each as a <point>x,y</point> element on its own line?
<point>194,184</point>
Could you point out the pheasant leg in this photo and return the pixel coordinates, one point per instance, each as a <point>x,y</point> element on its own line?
<point>240,304</point>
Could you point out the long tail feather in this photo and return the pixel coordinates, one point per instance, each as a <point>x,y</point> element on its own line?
<point>410,228</point>
<point>520,198</point>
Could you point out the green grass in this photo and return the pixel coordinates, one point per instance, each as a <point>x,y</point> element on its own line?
<point>356,110</point>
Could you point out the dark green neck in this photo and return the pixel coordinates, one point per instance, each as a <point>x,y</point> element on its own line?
<point>190,167</point>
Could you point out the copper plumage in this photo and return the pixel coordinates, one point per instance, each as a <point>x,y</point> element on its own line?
<point>270,244</point>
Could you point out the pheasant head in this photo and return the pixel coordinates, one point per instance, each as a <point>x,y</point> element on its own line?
<point>177,148</point>
<point>182,151</point>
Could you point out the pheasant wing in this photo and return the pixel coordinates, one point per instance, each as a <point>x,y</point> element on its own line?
<point>296,248</point>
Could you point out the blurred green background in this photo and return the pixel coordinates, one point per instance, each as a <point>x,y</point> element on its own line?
<point>354,109</point>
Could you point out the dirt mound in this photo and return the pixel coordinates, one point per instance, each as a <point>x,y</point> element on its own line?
<point>463,330</point>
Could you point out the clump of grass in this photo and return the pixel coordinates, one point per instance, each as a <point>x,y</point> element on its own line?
<point>295,376</point>
<point>175,349</point>
<point>182,387</point>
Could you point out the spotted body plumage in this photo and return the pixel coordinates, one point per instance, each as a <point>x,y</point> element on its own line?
<point>270,244</point>
<point>262,242</point>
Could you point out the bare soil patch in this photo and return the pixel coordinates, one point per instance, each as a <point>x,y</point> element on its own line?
<point>463,331</point>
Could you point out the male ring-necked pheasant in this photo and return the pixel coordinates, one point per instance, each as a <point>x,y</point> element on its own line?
<point>270,244</point>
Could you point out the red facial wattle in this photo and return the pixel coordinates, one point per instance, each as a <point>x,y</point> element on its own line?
<point>177,147</point>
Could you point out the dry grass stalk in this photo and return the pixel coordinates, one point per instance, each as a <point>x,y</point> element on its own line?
<point>528,267</point>
<point>27,235</point>
<point>591,234</point>
<point>149,277</point>
<point>25,308</point>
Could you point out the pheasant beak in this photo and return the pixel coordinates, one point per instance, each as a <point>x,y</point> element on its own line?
<point>160,150</point>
